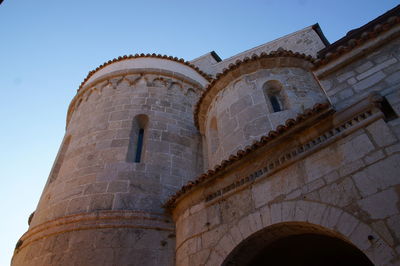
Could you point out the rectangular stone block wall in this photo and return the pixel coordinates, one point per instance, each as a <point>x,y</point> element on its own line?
<point>352,186</point>
<point>379,71</point>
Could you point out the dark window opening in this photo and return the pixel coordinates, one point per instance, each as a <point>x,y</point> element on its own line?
<point>388,111</point>
<point>139,145</point>
<point>276,107</point>
<point>274,96</point>
<point>137,139</point>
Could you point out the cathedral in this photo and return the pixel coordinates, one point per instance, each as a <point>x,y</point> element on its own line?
<point>284,154</point>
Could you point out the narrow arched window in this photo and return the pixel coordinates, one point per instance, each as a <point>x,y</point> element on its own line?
<point>273,94</point>
<point>276,107</point>
<point>137,139</point>
<point>139,145</point>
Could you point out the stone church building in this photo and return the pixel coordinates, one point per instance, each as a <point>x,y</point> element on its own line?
<point>285,154</point>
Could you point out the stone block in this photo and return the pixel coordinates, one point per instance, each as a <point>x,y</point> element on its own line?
<point>354,148</point>
<point>373,157</point>
<point>101,202</point>
<point>321,163</point>
<point>331,217</point>
<point>376,68</point>
<point>261,193</point>
<point>383,231</point>
<point>393,78</point>
<point>381,133</point>
<point>256,128</point>
<point>235,233</point>
<point>346,224</point>
<point>301,211</point>
<point>314,215</point>
<point>265,214</point>
<point>120,143</point>
<point>214,259</point>
<point>345,76</point>
<point>351,168</point>
<point>331,177</point>
<point>95,188</point>
<point>240,105</point>
<point>198,258</point>
<point>364,67</point>
<point>381,253</point>
<point>378,176</point>
<point>288,210</point>
<point>117,186</point>
<point>393,223</point>
<point>369,82</point>
<point>211,238</point>
<point>380,205</point>
<point>225,245</point>
<point>119,115</point>
<point>359,237</point>
<point>236,206</point>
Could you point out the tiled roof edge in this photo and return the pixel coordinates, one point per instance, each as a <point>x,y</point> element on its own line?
<point>264,140</point>
<point>254,57</point>
<point>127,57</point>
<point>356,37</point>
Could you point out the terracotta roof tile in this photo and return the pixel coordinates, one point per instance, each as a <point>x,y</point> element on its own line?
<point>238,63</point>
<point>127,57</point>
<point>281,129</point>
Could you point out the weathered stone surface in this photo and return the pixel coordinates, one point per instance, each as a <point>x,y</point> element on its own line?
<point>381,133</point>
<point>378,176</point>
<point>332,172</point>
<point>380,205</point>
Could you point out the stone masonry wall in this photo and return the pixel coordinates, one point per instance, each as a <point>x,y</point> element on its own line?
<point>102,247</point>
<point>95,174</point>
<point>305,41</point>
<point>376,71</point>
<point>243,114</point>
<point>350,187</point>
<point>104,203</point>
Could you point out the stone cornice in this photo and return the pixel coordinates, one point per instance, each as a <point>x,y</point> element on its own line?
<point>89,81</point>
<point>127,57</point>
<point>280,58</point>
<point>97,220</point>
<point>372,34</point>
<point>331,125</point>
<point>271,138</point>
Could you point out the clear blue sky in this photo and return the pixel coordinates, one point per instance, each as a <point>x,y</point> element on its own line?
<point>47,47</point>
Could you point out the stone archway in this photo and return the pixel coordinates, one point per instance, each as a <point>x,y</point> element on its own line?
<point>296,243</point>
<point>326,219</point>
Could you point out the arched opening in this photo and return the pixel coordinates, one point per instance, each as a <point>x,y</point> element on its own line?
<point>273,93</point>
<point>214,139</point>
<point>299,244</point>
<point>137,139</point>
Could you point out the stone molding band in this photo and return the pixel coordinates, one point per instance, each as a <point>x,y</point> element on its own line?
<point>284,160</point>
<point>122,73</point>
<point>97,220</point>
<point>331,127</point>
<point>127,57</point>
<point>280,58</point>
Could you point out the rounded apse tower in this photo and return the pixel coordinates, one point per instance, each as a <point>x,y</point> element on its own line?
<point>130,143</point>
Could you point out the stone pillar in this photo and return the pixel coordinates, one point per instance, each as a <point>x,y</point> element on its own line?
<point>102,204</point>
